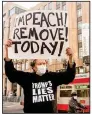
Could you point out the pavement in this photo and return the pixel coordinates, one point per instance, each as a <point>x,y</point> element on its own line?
<point>11,107</point>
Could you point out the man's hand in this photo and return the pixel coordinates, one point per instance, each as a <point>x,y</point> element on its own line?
<point>85,107</point>
<point>69,52</point>
<point>70,55</point>
<point>7,45</point>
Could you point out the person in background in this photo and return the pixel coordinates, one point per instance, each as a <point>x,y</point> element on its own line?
<point>74,105</point>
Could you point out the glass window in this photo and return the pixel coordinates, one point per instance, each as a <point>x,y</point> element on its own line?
<point>77,70</point>
<point>27,65</point>
<point>3,24</point>
<point>62,70</point>
<point>62,87</point>
<point>23,66</point>
<point>80,37</point>
<point>79,12</point>
<point>14,86</point>
<point>68,87</point>
<point>83,93</point>
<point>57,5</point>
<point>81,70</point>
<point>78,3</point>
<point>3,28</point>
<point>45,7</point>
<point>79,31</point>
<point>87,68</point>
<point>63,3</point>
<point>19,10</point>
<point>64,7</point>
<point>12,11</point>
<point>4,14</point>
<point>50,5</point>
<point>65,87</point>
<point>22,11</point>
<point>80,52</point>
<point>79,25</point>
<point>6,83</point>
<point>65,93</point>
<point>79,19</point>
<point>5,80</point>
<point>80,44</point>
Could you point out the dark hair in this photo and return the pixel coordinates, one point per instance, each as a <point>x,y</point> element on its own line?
<point>32,64</point>
<point>73,94</point>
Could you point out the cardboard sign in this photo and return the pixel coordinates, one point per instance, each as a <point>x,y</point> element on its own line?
<point>40,34</point>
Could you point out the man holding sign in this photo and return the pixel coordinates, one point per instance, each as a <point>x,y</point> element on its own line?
<point>39,34</point>
<point>39,87</point>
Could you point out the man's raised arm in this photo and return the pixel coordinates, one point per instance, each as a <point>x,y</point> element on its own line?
<point>67,76</point>
<point>13,74</point>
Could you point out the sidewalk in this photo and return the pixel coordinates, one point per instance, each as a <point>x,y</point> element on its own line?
<point>12,107</point>
<point>10,104</point>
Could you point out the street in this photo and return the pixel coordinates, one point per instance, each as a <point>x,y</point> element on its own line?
<point>11,107</point>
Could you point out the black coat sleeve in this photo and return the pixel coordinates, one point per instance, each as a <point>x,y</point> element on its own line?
<point>72,105</point>
<point>14,75</point>
<point>81,106</point>
<point>64,77</point>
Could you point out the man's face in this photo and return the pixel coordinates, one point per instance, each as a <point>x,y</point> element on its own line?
<point>75,97</point>
<point>39,62</point>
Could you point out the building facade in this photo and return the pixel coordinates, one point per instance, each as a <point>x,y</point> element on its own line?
<point>10,10</point>
<point>78,16</point>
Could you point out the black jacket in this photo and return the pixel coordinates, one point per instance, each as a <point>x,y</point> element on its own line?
<point>39,90</point>
<point>74,106</point>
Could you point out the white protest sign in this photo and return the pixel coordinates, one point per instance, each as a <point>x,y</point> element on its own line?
<point>40,34</point>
